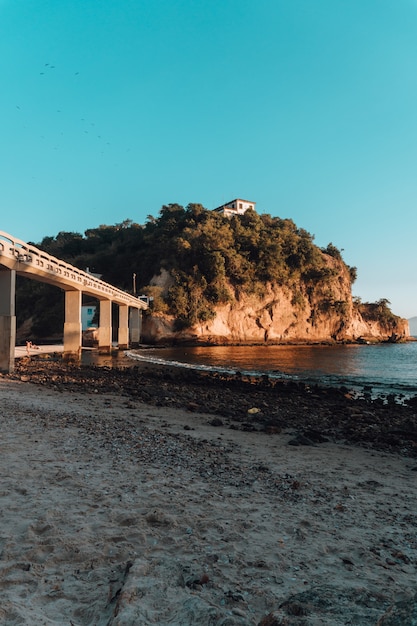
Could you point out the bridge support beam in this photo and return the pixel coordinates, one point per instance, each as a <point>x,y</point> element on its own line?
<point>123,336</point>
<point>72,325</point>
<point>135,326</point>
<point>7,320</point>
<point>105,327</point>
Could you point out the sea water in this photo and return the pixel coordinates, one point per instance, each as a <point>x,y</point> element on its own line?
<point>377,370</point>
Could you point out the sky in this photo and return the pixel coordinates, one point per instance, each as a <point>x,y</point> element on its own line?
<point>109,110</point>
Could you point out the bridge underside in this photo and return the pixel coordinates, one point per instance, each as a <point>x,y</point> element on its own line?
<point>129,328</point>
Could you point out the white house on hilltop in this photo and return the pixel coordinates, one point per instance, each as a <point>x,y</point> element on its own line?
<point>235,207</point>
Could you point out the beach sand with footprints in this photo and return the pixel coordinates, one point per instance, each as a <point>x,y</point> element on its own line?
<point>117,512</point>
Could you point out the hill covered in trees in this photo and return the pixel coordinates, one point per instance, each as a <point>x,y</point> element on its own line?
<point>204,270</point>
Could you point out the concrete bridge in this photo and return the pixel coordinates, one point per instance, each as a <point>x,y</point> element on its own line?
<point>22,259</point>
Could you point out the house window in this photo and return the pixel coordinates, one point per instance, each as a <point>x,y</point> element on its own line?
<point>240,205</point>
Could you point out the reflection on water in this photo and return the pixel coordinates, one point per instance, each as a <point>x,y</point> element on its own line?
<point>387,368</point>
<point>278,359</point>
<point>115,359</point>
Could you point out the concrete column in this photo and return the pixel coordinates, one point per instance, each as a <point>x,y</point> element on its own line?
<point>135,326</point>
<point>105,328</point>
<point>7,320</point>
<point>123,338</point>
<point>72,325</point>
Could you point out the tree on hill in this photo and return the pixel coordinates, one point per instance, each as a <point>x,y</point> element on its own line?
<point>210,258</point>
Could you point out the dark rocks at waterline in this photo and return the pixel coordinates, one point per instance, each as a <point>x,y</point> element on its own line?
<point>304,415</point>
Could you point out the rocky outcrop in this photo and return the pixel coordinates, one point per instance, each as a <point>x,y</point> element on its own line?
<point>318,310</point>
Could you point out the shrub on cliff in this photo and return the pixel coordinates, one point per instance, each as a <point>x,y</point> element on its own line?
<point>379,311</point>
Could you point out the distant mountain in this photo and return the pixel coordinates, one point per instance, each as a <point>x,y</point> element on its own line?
<point>413,326</point>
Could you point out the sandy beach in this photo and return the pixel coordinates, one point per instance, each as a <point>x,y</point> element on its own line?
<point>116,512</point>
<point>23,351</point>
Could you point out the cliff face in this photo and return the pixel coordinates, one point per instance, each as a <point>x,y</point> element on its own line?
<point>323,311</point>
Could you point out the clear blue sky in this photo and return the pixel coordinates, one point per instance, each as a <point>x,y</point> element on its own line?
<point>308,107</point>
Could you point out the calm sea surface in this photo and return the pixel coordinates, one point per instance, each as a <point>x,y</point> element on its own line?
<point>382,369</point>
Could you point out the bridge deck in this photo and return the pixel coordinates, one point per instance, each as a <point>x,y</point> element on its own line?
<point>27,260</point>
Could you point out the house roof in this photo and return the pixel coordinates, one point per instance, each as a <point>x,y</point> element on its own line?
<point>222,206</point>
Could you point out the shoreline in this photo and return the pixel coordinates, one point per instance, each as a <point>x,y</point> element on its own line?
<point>20,350</point>
<point>392,391</point>
<point>255,404</point>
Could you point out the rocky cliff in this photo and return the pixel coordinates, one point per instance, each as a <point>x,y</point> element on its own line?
<point>319,310</point>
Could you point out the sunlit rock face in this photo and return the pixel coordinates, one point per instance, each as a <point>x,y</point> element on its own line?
<point>299,313</point>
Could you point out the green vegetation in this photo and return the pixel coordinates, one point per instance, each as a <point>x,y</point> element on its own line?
<point>379,311</point>
<point>41,303</point>
<point>211,259</point>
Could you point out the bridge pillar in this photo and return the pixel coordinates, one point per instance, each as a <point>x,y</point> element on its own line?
<point>7,320</point>
<point>135,326</point>
<point>123,337</point>
<point>72,325</point>
<point>105,327</point>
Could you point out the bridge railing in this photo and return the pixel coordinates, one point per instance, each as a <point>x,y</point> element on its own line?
<point>26,258</point>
